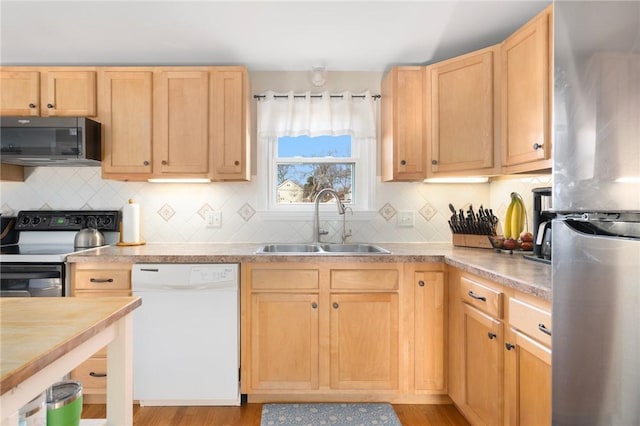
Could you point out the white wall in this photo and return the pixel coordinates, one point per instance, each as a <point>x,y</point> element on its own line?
<point>175,212</point>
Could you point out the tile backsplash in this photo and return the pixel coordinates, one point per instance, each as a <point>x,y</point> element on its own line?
<point>177,212</point>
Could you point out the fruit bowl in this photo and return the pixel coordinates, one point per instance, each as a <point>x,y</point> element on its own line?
<point>499,242</point>
<point>496,241</point>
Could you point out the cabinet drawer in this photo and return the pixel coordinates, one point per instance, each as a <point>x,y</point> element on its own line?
<point>482,297</point>
<point>530,320</point>
<point>102,280</point>
<point>284,279</point>
<point>364,279</point>
<point>92,373</point>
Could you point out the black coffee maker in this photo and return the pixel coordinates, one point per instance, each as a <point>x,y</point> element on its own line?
<point>542,216</point>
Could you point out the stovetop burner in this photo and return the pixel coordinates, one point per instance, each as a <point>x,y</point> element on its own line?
<point>47,236</point>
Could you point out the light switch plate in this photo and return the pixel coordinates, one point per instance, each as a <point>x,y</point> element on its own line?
<point>213,219</point>
<point>405,219</point>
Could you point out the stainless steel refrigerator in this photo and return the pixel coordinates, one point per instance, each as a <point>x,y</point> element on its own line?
<point>596,194</point>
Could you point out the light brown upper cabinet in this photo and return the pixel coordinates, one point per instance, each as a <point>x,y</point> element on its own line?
<point>181,123</point>
<point>126,112</point>
<point>526,96</point>
<point>230,149</point>
<point>28,91</point>
<point>462,111</point>
<point>175,122</point>
<point>403,125</point>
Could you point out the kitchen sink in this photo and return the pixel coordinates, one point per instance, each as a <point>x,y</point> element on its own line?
<point>289,248</point>
<point>326,249</point>
<point>353,248</point>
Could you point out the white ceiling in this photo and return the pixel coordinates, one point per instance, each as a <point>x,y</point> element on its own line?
<point>263,35</point>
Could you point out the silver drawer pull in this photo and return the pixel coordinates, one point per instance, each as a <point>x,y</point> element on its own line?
<point>101,280</point>
<point>92,374</point>
<point>475,296</point>
<point>544,329</point>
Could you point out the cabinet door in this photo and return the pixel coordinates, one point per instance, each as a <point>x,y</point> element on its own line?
<point>20,93</point>
<point>181,123</point>
<point>230,140</point>
<point>403,125</point>
<point>429,330</point>
<point>68,93</point>
<point>364,341</point>
<point>528,381</point>
<point>461,107</point>
<point>126,99</point>
<point>526,93</point>
<point>483,365</point>
<point>284,353</point>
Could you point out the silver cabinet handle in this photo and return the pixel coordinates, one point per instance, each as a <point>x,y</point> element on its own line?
<point>92,374</point>
<point>314,305</point>
<point>544,329</point>
<point>537,146</point>
<point>475,296</point>
<point>509,346</point>
<point>335,305</point>
<point>421,283</point>
<point>492,335</point>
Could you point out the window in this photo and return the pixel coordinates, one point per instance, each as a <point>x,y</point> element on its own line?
<point>305,165</point>
<point>308,143</point>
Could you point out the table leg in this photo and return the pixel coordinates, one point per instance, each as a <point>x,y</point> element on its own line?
<point>120,374</point>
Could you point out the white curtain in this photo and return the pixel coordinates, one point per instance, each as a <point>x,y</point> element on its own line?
<point>316,116</point>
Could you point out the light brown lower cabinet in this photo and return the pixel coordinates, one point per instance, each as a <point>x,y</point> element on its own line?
<point>97,280</point>
<point>528,364</point>
<point>343,332</point>
<point>499,353</point>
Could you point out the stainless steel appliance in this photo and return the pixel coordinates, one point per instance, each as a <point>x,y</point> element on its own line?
<point>596,194</point>
<point>35,264</point>
<point>56,141</point>
<point>542,217</point>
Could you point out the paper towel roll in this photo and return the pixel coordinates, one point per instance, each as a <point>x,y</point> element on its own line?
<point>131,222</point>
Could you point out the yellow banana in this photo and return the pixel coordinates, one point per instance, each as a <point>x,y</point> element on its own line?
<point>507,220</point>
<point>516,217</point>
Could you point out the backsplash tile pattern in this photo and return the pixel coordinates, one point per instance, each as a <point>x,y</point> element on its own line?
<point>427,211</point>
<point>387,211</point>
<point>81,188</point>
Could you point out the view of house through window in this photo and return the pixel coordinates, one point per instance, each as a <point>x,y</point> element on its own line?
<point>305,165</point>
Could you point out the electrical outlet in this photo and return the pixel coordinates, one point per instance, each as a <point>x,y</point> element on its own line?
<point>213,219</point>
<point>405,219</point>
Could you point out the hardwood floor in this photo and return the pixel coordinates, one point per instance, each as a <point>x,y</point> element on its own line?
<point>249,415</point>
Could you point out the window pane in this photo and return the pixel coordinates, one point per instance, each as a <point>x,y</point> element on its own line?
<point>300,182</point>
<point>320,146</point>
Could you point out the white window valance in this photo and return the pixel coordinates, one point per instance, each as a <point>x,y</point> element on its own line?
<point>328,114</point>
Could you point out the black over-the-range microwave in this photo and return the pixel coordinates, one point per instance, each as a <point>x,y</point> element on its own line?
<point>50,141</point>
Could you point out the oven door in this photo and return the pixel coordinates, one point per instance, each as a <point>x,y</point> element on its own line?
<point>32,280</point>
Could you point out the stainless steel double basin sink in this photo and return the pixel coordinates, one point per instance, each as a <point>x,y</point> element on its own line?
<point>322,249</point>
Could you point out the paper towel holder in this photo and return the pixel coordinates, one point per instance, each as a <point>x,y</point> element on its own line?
<point>132,243</point>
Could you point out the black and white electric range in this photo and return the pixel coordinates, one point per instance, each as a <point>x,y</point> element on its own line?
<point>36,265</point>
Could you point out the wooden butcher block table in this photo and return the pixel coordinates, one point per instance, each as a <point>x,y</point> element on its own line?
<point>43,338</point>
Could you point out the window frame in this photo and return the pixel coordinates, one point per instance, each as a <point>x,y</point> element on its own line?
<point>363,155</point>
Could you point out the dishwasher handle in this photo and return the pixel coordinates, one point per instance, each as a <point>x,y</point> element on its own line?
<point>187,287</point>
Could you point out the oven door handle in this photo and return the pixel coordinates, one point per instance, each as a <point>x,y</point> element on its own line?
<point>30,275</point>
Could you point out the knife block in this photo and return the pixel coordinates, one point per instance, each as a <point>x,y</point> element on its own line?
<point>471,240</point>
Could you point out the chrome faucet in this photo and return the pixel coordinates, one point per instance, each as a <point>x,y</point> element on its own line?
<point>316,219</point>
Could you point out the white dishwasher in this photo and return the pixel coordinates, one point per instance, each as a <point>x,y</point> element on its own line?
<point>186,348</point>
